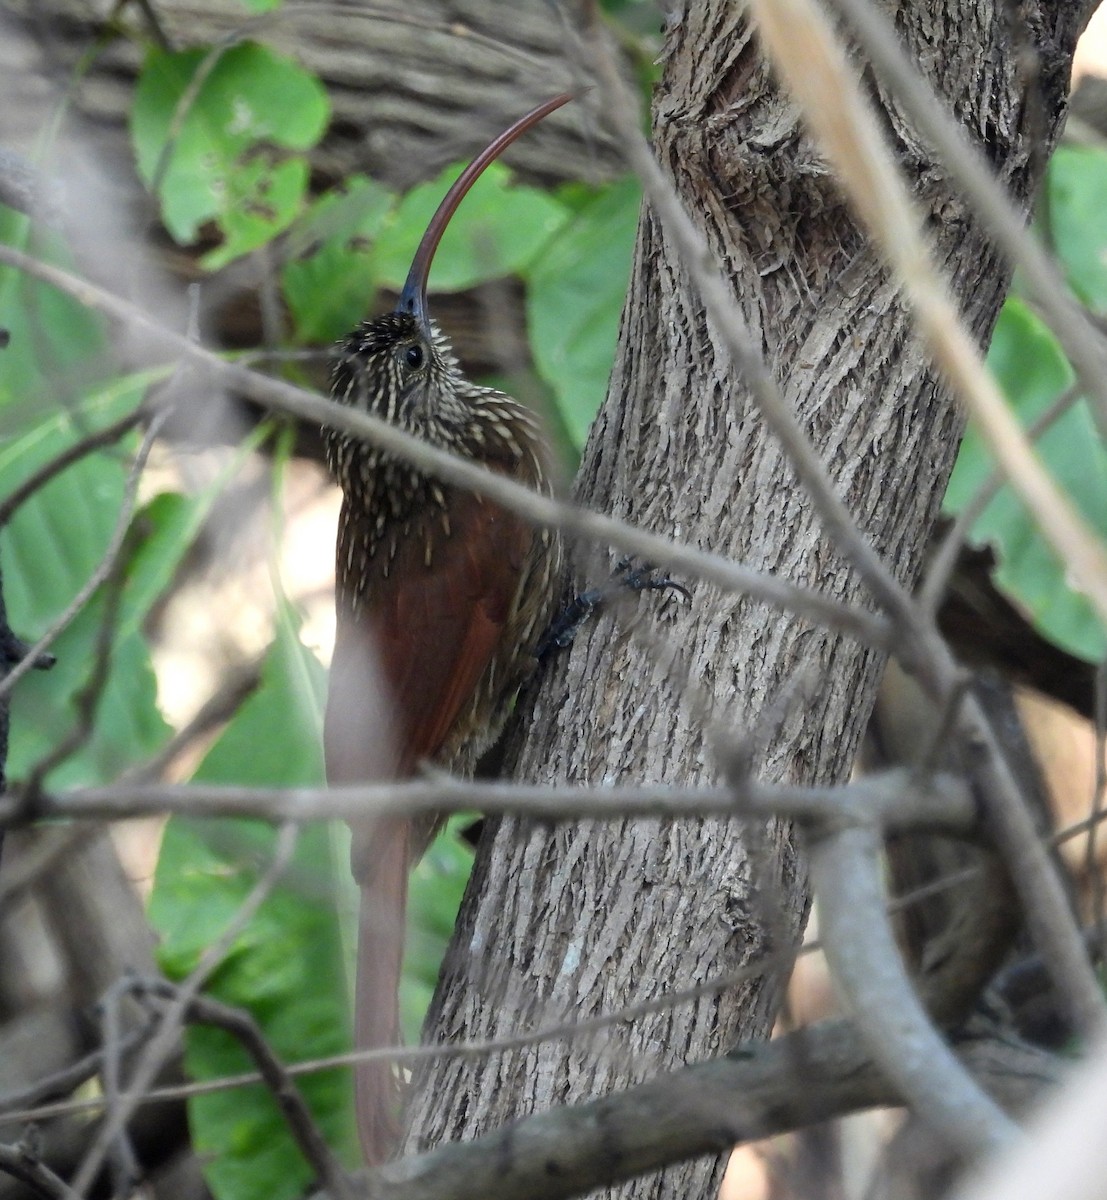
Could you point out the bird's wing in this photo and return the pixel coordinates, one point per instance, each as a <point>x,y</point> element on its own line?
<point>407,663</point>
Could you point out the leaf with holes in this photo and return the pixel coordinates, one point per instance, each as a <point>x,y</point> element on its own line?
<point>214,133</point>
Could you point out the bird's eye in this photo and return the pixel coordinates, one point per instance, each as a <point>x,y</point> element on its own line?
<point>413,356</point>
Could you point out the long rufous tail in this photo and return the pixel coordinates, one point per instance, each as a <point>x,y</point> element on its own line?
<point>381,866</point>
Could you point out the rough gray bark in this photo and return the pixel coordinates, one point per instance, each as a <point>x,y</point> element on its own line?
<point>562,922</point>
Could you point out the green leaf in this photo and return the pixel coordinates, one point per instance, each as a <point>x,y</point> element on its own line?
<point>434,897</point>
<point>49,549</point>
<point>1077,185</point>
<point>575,294</point>
<point>329,287</point>
<point>286,967</point>
<point>56,347</point>
<point>170,523</point>
<point>1033,371</point>
<point>218,155</point>
<point>498,229</point>
<point>263,197</point>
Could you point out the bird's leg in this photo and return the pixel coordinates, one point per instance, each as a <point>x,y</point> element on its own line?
<point>564,627</point>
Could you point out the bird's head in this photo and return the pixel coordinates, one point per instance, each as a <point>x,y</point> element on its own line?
<point>400,366</point>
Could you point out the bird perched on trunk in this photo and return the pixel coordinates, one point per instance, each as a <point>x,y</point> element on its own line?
<point>441,597</point>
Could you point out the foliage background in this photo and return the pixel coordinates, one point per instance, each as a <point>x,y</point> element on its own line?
<point>221,138</point>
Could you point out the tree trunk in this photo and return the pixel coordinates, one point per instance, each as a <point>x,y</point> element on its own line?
<point>565,922</point>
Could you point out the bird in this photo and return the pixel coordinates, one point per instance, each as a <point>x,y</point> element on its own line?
<point>441,599</point>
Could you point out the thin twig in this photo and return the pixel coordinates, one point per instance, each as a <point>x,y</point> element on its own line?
<point>21,1164</point>
<point>87,700</point>
<point>942,565</point>
<point>64,1081</point>
<point>156,24</point>
<point>241,1025</point>
<point>283,397</point>
<point>124,1164</point>
<point>164,1041</point>
<point>240,683</point>
<point>97,440</point>
<point>1093,868</point>
<point>897,799</point>
<point>573,1027</point>
<point>103,568</point>
<point>1069,321</point>
<point>21,874</point>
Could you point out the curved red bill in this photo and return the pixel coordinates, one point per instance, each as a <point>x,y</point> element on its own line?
<point>413,299</point>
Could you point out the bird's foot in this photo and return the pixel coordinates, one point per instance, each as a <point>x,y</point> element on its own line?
<point>645,578</point>
<point>638,578</point>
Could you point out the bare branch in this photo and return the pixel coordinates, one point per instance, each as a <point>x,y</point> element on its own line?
<point>866,965</point>
<point>896,800</point>
<point>97,440</point>
<point>22,1164</point>
<point>15,1107</point>
<point>203,1010</point>
<point>219,707</point>
<point>936,579</point>
<point>283,397</point>
<point>61,1083</point>
<point>102,571</point>
<point>757,1090</point>
<point>164,1041</point>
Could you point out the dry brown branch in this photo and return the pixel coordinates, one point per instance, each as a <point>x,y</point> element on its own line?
<point>202,1010</point>
<point>753,1092</point>
<point>21,1162</point>
<point>1075,330</point>
<point>164,1041</point>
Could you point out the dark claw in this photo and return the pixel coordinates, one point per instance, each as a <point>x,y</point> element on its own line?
<point>642,579</point>
<point>563,629</point>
